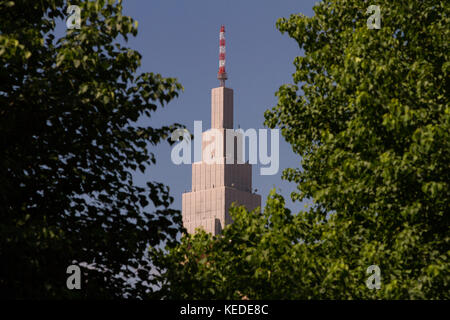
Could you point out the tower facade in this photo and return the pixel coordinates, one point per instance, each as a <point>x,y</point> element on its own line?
<point>218,182</point>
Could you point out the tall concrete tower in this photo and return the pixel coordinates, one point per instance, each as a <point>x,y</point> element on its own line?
<point>218,183</point>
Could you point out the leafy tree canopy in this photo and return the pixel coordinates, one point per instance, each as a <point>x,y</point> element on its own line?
<point>368,112</point>
<point>69,143</point>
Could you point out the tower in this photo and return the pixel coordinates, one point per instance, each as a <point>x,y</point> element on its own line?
<point>217,183</point>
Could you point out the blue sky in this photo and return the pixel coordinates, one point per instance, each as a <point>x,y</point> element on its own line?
<point>180,39</point>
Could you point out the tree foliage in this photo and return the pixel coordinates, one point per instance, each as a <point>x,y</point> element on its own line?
<point>368,112</point>
<point>69,144</point>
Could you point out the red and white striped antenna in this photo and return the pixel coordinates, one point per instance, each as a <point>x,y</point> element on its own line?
<point>222,75</point>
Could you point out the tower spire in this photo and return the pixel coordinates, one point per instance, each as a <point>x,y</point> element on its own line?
<point>220,178</point>
<point>222,75</point>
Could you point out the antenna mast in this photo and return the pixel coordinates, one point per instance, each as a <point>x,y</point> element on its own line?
<point>222,75</point>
